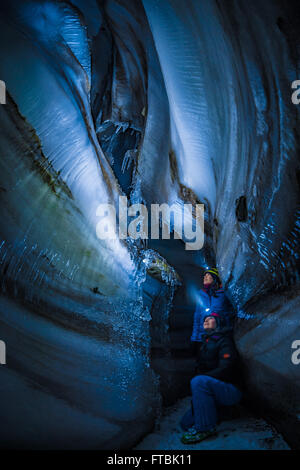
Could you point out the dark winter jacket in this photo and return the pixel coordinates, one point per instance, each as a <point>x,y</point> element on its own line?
<point>206,304</point>
<point>217,356</point>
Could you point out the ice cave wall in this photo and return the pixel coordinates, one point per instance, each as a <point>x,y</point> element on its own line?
<point>165,102</point>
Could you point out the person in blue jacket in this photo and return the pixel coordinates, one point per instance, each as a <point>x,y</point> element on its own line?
<point>211,299</point>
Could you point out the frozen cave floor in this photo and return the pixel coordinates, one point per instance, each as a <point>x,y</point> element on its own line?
<point>243,432</point>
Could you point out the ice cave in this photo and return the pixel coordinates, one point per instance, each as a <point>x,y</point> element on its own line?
<point>162,102</point>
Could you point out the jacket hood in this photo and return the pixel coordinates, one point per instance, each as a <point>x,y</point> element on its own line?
<point>208,289</point>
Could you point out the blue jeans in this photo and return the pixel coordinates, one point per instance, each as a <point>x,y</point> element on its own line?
<point>207,393</point>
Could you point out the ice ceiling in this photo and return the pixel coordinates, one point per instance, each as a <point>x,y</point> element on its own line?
<point>165,102</point>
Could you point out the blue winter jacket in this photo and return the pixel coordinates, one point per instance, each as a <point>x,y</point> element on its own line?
<point>207,304</point>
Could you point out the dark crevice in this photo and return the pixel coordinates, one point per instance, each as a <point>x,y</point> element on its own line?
<point>241,210</point>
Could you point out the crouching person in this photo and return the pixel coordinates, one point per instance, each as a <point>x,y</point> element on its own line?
<point>217,381</point>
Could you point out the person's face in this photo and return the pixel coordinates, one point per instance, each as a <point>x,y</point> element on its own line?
<point>209,323</point>
<point>208,279</point>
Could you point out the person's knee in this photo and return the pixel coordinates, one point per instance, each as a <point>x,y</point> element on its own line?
<point>200,381</point>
